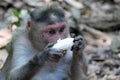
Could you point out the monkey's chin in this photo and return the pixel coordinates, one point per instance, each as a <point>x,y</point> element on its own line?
<point>64,44</point>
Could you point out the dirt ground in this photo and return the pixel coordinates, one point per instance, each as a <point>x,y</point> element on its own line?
<point>97,20</point>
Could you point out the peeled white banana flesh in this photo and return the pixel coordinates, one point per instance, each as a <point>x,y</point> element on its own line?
<point>64,44</point>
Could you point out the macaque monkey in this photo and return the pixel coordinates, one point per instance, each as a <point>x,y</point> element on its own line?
<point>33,56</point>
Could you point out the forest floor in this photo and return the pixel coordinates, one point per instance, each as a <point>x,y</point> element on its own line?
<point>98,21</point>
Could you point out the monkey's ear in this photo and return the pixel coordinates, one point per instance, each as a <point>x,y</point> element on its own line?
<point>28,26</point>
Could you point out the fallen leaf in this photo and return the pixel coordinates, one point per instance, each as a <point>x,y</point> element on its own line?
<point>5,37</point>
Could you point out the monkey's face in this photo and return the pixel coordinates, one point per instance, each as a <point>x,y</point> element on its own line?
<point>48,24</point>
<point>53,32</point>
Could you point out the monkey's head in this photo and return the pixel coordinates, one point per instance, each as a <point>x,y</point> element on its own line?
<point>47,25</point>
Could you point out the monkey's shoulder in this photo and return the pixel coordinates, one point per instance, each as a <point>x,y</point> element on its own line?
<point>20,36</point>
<point>20,43</point>
<point>18,33</point>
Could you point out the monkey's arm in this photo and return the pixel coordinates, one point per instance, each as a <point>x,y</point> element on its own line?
<point>79,65</point>
<point>24,60</point>
<point>24,67</point>
<point>26,71</point>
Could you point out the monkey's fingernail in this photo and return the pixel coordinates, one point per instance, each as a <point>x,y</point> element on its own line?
<point>80,43</point>
<point>72,48</point>
<point>74,40</point>
<point>64,51</point>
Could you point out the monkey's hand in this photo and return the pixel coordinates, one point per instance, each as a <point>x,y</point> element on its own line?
<point>79,44</point>
<point>53,54</point>
<point>79,66</point>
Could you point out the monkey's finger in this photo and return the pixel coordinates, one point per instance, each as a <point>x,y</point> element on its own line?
<point>78,38</point>
<point>54,58</point>
<point>49,45</point>
<point>55,51</point>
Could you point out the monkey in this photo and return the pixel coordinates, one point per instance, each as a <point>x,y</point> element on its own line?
<point>33,57</point>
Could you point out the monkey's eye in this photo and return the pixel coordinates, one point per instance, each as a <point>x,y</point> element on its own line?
<point>52,31</point>
<point>62,29</point>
